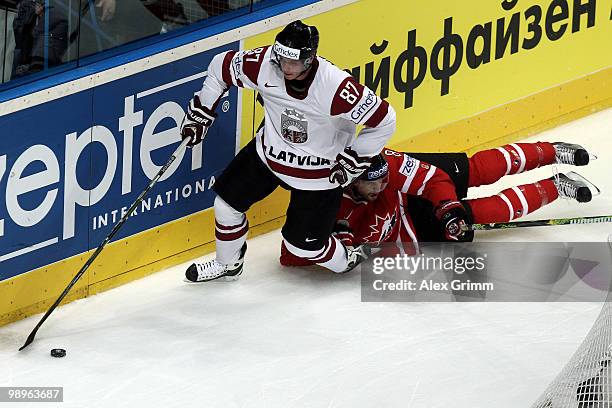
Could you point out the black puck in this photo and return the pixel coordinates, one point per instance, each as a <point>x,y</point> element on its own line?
<point>58,353</point>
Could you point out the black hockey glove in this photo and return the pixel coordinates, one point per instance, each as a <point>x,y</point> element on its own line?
<point>343,232</point>
<point>196,122</point>
<point>452,216</point>
<point>349,166</point>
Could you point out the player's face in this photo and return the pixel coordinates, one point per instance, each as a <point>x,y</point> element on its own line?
<point>370,190</point>
<point>292,69</point>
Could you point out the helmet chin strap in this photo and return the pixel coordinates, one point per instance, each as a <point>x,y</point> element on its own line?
<point>302,73</point>
<point>306,68</point>
<point>299,85</point>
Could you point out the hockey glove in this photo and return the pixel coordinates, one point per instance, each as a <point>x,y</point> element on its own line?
<point>356,255</point>
<point>196,122</point>
<point>349,166</point>
<point>452,216</point>
<point>343,232</point>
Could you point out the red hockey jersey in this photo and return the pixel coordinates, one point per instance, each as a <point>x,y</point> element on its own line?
<point>386,219</point>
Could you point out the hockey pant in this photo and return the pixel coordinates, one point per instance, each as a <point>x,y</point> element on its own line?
<point>310,216</point>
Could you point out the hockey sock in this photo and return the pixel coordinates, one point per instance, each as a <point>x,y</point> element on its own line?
<point>335,257</point>
<point>231,227</point>
<point>332,256</point>
<point>488,166</point>
<point>289,259</point>
<point>513,202</point>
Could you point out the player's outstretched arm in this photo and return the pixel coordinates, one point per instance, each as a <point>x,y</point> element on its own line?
<point>226,69</point>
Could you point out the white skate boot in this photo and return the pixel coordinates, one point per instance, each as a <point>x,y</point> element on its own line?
<point>211,270</point>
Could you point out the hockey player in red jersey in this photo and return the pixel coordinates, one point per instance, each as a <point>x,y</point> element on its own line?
<point>307,145</point>
<point>405,199</point>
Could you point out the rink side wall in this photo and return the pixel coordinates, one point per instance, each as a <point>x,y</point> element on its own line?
<point>460,78</point>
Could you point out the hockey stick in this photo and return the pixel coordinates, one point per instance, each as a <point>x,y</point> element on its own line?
<point>539,223</point>
<point>120,223</point>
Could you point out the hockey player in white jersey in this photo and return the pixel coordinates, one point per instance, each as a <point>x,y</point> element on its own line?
<point>307,145</point>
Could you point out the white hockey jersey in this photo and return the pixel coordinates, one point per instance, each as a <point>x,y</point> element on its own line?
<point>303,133</point>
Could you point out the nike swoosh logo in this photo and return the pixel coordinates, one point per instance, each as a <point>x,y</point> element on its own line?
<point>310,239</point>
<point>456,168</point>
<point>267,85</point>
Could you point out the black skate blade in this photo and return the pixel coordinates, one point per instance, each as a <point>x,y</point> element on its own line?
<point>223,278</point>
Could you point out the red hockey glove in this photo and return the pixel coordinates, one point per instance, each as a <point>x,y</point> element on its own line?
<point>452,216</point>
<point>349,166</point>
<point>196,122</point>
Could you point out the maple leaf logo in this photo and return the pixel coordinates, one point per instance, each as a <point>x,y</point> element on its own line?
<point>381,228</point>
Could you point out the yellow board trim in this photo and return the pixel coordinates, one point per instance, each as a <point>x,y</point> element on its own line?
<point>128,259</point>
<point>518,119</point>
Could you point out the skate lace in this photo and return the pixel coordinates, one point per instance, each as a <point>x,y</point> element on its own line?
<point>566,188</point>
<point>210,269</point>
<point>564,154</point>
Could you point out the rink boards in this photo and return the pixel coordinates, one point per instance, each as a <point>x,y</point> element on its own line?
<point>463,74</point>
<point>71,162</point>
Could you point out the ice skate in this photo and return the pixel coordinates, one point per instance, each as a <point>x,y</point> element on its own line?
<point>206,271</point>
<point>574,186</point>
<point>574,154</point>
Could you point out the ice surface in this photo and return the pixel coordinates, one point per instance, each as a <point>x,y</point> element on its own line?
<point>282,337</point>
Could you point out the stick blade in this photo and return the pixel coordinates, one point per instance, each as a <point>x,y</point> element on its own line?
<point>29,340</point>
